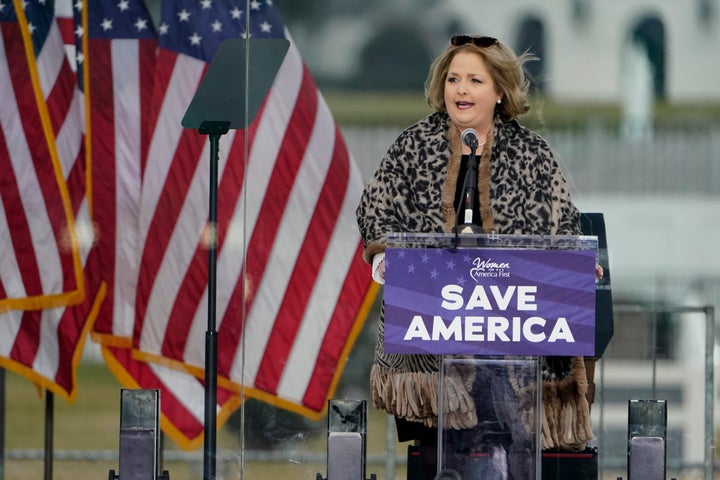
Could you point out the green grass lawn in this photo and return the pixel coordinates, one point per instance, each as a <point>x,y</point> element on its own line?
<point>92,421</point>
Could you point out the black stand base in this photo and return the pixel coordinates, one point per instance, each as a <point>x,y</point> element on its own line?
<point>555,465</point>
<point>570,465</point>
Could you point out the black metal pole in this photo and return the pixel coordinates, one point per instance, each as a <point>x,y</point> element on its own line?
<point>2,423</point>
<point>49,421</point>
<point>215,130</point>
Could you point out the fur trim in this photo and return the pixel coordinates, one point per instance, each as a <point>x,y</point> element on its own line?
<point>551,422</point>
<point>566,410</point>
<point>450,185</point>
<point>414,397</point>
<point>484,180</point>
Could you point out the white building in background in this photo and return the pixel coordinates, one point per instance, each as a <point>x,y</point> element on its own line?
<point>583,42</point>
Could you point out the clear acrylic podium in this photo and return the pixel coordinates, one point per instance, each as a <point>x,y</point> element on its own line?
<point>491,306</point>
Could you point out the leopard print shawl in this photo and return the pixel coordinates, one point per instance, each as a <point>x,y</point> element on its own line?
<point>522,191</point>
<point>521,185</point>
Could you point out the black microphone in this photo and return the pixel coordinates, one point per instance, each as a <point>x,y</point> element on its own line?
<point>469,137</point>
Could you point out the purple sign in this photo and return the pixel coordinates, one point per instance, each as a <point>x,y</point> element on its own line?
<point>490,301</point>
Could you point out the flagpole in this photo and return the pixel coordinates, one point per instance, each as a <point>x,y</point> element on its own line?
<point>2,423</point>
<point>214,129</point>
<point>49,432</point>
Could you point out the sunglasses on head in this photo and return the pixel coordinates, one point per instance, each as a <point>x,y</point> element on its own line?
<point>484,42</point>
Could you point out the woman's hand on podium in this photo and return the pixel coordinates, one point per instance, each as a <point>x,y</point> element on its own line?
<point>378,268</point>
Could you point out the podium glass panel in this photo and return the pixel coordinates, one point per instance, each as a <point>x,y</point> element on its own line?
<point>505,442</point>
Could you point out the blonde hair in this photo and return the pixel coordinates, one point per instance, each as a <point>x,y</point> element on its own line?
<point>506,69</point>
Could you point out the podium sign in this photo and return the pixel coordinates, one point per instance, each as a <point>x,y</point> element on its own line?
<point>490,301</point>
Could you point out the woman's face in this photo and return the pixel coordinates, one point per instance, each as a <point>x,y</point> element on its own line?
<point>470,93</point>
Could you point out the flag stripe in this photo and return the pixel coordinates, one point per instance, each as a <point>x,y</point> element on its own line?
<point>27,340</point>
<point>273,246</point>
<point>16,231</point>
<point>120,144</point>
<point>338,257</point>
<point>266,156</point>
<point>51,62</point>
<point>130,58</point>
<point>230,297</point>
<point>104,185</point>
<point>317,225</point>
<point>344,318</point>
<point>319,385</point>
<point>60,97</point>
<point>191,300</point>
<point>166,237</point>
<point>171,240</point>
<point>264,150</point>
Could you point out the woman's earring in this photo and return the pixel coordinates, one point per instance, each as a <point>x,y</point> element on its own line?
<point>499,100</point>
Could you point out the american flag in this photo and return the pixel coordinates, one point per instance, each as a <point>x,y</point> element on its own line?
<point>118,63</point>
<point>291,284</point>
<point>46,301</point>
